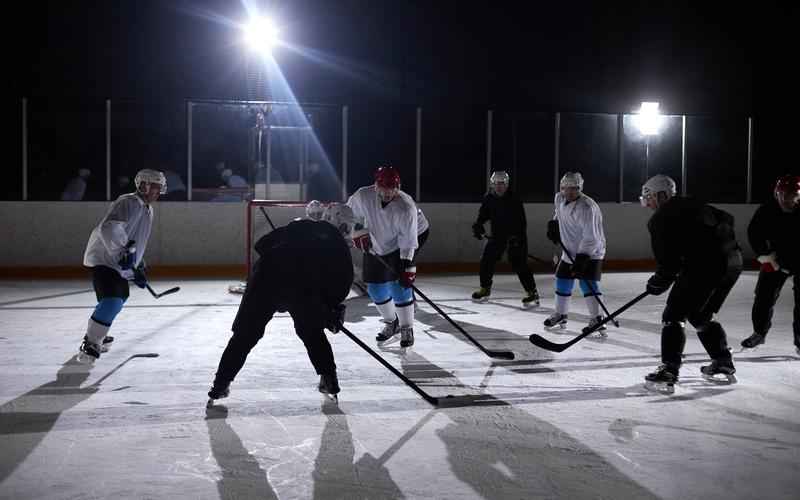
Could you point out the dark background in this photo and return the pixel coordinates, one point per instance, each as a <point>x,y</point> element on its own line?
<point>716,62</point>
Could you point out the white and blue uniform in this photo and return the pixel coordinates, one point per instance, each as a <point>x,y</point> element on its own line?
<point>580,226</point>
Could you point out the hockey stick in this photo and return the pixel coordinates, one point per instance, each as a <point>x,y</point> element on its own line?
<point>147,355</point>
<point>165,292</point>
<point>427,397</point>
<point>542,342</point>
<point>488,352</point>
<point>589,284</point>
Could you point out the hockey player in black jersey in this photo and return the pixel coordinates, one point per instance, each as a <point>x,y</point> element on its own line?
<point>697,254</point>
<point>774,235</point>
<point>506,214</point>
<point>303,268</point>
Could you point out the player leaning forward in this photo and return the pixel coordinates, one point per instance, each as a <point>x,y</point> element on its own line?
<point>115,256</point>
<point>395,236</point>
<point>303,268</point>
<point>695,248</point>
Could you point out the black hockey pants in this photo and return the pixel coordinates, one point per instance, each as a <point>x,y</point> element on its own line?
<point>768,289</point>
<point>517,255</point>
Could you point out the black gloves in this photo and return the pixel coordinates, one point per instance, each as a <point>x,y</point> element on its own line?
<point>128,256</point>
<point>581,265</point>
<point>335,318</point>
<point>658,284</point>
<point>139,277</point>
<point>478,231</point>
<point>553,234</point>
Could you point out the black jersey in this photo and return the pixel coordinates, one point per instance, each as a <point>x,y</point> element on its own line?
<point>505,213</point>
<point>773,230</point>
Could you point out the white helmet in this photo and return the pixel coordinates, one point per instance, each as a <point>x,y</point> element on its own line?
<point>499,177</point>
<point>150,176</point>
<point>314,210</point>
<point>341,216</point>
<point>657,184</point>
<point>572,179</point>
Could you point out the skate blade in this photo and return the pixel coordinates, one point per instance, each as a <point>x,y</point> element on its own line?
<point>210,403</point>
<point>481,301</point>
<point>333,398</point>
<point>84,359</point>
<point>660,387</point>
<point>600,334</point>
<point>721,378</point>
<point>389,341</point>
<point>528,305</point>
<point>559,325</point>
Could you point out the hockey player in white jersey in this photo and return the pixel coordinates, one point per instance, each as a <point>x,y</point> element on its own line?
<point>393,233</point>
<point>115,256</point>
<point>578,225</point>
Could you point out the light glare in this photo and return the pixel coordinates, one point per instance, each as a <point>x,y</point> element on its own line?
<point>261,35</point>
<point>649,118</point>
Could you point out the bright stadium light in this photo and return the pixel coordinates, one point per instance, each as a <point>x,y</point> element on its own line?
<point>261,35</point>
<point>649,118</point>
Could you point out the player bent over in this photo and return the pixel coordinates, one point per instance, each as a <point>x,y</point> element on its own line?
<point>115,254</point>
<point>303,268</point>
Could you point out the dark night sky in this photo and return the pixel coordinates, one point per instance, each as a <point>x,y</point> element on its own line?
<point>582,56</point>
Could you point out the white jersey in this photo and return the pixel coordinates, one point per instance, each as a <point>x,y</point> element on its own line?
<point>422,222</point>
<point>580,224</point>
<point>393,227</point>
<point>128,218</point>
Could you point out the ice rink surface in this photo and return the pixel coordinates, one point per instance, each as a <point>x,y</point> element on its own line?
<point>576,424</point>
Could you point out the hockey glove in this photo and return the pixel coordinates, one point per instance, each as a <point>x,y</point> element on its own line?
<point>335,319</point>
<point>581,265</point>
<point>139,277</point>
<point>553,233</point>
<point>769,263</point>
<point>658,284</point>
<point>408,274</point>
<point>478,231</point>
<point>361,240</point>
<point>128,255</point>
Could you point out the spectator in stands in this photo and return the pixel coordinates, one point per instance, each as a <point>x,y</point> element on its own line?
<point>76,187</point>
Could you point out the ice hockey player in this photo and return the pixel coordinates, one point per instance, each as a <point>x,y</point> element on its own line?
<point>695,248</point>
<point>577,224</point>
<point>392,233</point>
<point>115,253</point>
<point>303,268</point>
<point>774,235</point>
<point>506,214</point>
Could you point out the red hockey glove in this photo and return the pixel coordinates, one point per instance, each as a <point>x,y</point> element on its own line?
<point>769,264</point>
<point>408,275</point>
<point>361,240</point>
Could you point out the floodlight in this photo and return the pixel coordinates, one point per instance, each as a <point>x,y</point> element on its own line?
<point>261,35</point>
<point>649,118</point>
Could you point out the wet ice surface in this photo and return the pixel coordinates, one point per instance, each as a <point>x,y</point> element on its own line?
<point>576,424</point>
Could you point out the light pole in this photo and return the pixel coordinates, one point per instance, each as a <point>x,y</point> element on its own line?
<point>649,123</point>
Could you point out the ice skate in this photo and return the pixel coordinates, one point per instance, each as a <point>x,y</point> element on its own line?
<point>329,386</point>
<point>601,332</point>
<point>481,294</point>
<point>406,336</point>
<point>107,340</point>
<point>217,393</point>
<point>719,372</point>
<point>556,320</point>
<point>389,333</point>
<point>531,299</point>
<point>662,380</point>
<point>88,351</point>
<point>753,341</point>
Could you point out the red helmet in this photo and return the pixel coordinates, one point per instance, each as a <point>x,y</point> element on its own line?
<point>387,178</point>
<point>788,184</point>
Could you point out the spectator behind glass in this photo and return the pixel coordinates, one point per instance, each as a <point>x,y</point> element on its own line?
<point>176,189</point>
<point>76,187</point>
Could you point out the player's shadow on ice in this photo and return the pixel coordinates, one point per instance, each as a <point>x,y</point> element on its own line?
<point>27,419</point>
<point>336,476</point>
<point>500,451</point>
<point>242,475</point>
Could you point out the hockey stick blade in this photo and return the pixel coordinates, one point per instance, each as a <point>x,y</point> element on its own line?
<point>159,295</point>
<point>542,342</point>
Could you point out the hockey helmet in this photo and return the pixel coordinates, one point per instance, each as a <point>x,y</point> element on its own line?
<point>571,179</point>
<point>387,183</point>
<point>787,191</point>
<point>150,176</point>
<point>314,210</point>
<point>657,184</point>
<point>341,216</point>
